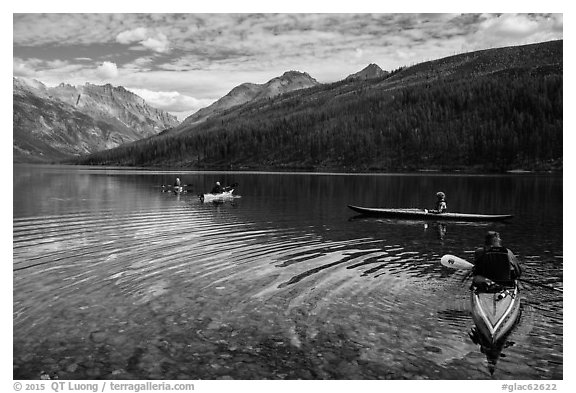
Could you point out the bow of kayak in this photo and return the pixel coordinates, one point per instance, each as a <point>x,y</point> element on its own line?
<point>495,313</point>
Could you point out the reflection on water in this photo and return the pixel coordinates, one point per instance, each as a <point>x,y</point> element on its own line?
<point>115,279</point>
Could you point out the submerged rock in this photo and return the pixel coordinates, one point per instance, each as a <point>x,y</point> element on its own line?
<point>98,336</point>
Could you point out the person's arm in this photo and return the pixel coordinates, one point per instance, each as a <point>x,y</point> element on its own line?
<point>478,254</point>
<point>515,264</point>
<point>479,280</point>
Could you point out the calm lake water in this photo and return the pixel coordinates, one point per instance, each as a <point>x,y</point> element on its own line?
<point>115,279</point>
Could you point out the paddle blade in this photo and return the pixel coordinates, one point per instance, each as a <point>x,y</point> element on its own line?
<point>455,262</point>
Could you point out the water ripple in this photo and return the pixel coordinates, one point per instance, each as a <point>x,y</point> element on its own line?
<point>234,281</point>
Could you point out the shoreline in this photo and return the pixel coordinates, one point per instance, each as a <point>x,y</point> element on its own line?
<point>302,170</point>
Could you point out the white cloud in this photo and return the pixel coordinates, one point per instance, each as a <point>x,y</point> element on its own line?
<point>507,25</point>
<point>140,64</point>
<point>172,101</point>
<point>212,53</point>
<point>158,44</point>
<point>37,67</point>
<point>131,36</point>
<point>516,29</point>
<point>557,21</point>
<point>154,41</point>
<point>107,70</point>
<point>24,68</point>
<point>234,42</point>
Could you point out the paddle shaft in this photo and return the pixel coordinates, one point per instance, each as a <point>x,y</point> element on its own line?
<point>455,262</point>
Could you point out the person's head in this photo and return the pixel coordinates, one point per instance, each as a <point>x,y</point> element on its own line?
<point>492,239</point>
<point>440,195</point>
<point>217,183</point>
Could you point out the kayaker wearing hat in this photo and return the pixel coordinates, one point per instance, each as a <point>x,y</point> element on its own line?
<point>494,264</point>
<point>441,206</point>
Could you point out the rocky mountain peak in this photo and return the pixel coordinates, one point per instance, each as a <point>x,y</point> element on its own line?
<point>296,74</point>
<point>247,92</point>
<point>21,84</point>
<point>370,71</point>
<point>67,120</point>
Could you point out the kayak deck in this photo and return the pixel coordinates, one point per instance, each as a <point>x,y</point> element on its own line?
<point>495,313</point>
<point>424,214</point>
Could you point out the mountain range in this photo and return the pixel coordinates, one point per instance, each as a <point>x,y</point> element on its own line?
<point>495,109</point>
<point>247,92</point>
<point>55,123</point>
<point>491,110</point>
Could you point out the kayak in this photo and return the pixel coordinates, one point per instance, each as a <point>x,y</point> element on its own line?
<point>176,189</point>
<point>217,197</point>
<point>495,312</point>
<point>426,215</point>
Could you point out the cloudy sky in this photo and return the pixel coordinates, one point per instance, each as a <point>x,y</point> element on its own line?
<point>183,62</point>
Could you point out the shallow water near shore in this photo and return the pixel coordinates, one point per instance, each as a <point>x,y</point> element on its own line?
<point>115,279</point>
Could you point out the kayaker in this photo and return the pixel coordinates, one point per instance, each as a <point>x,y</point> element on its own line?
<point>177,182</point>
<point>494,265</point>
<point>441,206</point>
<point>217,189</point>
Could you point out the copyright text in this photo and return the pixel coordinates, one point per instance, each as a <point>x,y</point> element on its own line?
<point>105,386</point>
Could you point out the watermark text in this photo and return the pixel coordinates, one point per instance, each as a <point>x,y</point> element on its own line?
<point>513,387</point>
<point>104,386</point>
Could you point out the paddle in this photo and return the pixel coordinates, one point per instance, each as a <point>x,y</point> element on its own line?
<point>231,186</point>
<point>455,262</point>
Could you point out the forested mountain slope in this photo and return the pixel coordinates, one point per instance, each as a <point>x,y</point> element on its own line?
<point>247,92</point>
<point>491,110</point>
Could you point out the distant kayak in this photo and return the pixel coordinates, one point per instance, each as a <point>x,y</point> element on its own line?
<point>426,215</point>
<point>175,189</point>
<point>217,197</point>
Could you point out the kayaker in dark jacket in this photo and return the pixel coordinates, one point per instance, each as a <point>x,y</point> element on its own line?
<point>217,189</point>
<point>177,182</point>
<point>494,264</point>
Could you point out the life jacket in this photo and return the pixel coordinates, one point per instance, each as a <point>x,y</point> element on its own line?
<point>441,205</point>
<point>495,264</point>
